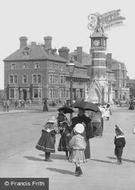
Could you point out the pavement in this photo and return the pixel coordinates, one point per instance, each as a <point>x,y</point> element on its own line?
<point>100,172</point>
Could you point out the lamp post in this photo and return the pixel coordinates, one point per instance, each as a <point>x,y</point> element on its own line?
<point>71,67</point>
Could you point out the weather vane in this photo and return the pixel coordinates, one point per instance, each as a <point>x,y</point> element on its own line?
<point>104,21</point>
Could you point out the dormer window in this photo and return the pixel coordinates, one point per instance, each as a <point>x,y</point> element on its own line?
<point>26,51</point>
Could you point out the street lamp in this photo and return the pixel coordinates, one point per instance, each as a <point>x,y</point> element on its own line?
<point>71,67</point>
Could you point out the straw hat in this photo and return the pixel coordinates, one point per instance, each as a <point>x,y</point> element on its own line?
<point>79,128</point>
<point>52,120</point>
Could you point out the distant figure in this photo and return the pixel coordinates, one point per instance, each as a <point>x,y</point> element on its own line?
<point>7,105</point>
<point>119,142</point>
<point>131,105</point>
<point>4,105</point>
<point>16,104</point>
<point>107,112</point>
<point>45,106</point>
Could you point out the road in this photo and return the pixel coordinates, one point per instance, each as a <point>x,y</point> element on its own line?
<point>19,158</point>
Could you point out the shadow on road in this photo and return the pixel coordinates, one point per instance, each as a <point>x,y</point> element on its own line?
<point>60,171</point>
<point>104,161</point>
<point>56,156</point>
<point>33,158</point>
<point>124,159</point>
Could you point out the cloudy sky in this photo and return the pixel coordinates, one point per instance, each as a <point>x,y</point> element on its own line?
<point>66,21</point>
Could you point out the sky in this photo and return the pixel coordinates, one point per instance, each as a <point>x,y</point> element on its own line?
<point>66,21</point>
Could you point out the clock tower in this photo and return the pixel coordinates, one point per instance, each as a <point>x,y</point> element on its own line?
<point>98,66</point>
<point>98,54</point>
<point>99,89</point>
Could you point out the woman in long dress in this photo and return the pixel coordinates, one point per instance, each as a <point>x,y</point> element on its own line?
<point>86,121</point>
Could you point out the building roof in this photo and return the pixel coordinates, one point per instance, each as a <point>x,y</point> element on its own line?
<point>35,52</point>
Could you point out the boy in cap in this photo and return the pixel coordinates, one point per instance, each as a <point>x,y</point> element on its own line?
<point>77,145</point>
<point>119,142</point>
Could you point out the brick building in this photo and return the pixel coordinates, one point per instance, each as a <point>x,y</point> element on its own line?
<point>118,79</point>
<point>37,71</point>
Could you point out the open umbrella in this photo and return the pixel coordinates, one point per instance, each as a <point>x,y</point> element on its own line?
<point>86,106</point>
<point>66,109</point>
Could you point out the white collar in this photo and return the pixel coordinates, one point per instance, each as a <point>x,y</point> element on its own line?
<point>120,136</point>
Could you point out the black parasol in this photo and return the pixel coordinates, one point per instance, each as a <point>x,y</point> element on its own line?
<point>86,106</point>
<point>66,109</point>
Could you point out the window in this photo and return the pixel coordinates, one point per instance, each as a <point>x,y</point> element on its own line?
<point>36,66</point>
<point>13,66</point>
<point>39,78</point>
<point>11,92</point>
<point>36,79</point>
<point>15,78</point>
<point>24,79</point>
<point>11,79</point>
<point>62,79</point>
<point>37,93</point>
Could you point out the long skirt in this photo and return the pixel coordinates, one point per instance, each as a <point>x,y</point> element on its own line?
<point>87,150</point>
<point>46,142</point>
<point>64,143</point>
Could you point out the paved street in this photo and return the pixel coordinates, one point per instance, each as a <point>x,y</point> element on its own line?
<point>19,158</point>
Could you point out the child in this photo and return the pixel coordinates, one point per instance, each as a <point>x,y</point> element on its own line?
<point>77,145</point>
<point>64,139</point>
<point>119,142</point>
<point>61,117</point>
<point>46,142</point>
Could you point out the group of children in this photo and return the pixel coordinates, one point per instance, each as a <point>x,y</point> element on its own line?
<point>72,141</point>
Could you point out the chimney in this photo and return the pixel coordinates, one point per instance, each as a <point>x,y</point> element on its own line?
<point>23,41</point>
<point>48,42</point>
<point>79,54</point>
<point>64,52</point>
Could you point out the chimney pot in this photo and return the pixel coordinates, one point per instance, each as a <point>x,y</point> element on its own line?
<point>79,54</point>
<point>64,52</point>
<point>23,41</point>
<point>48,42</point>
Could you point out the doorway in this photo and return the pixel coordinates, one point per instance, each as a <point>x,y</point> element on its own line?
<point>24,94</point>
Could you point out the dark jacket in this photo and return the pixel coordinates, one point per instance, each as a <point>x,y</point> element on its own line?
<point>119,141</point>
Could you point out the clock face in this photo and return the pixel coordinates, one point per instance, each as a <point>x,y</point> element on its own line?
<point>96,42</point>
